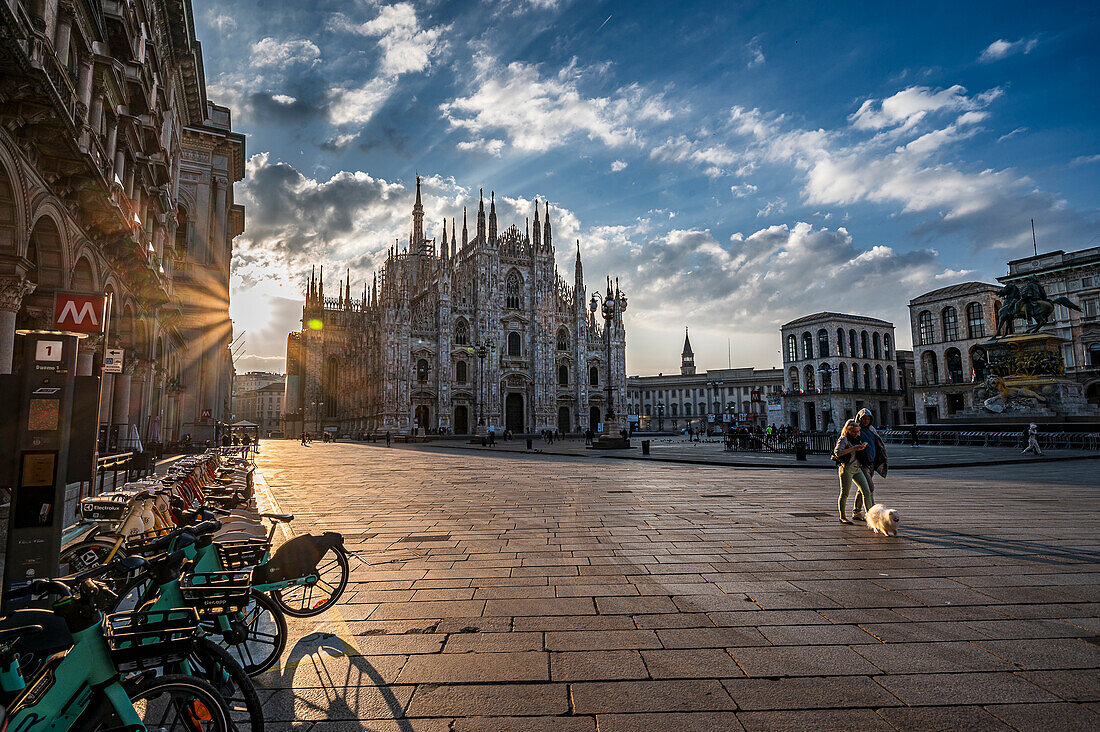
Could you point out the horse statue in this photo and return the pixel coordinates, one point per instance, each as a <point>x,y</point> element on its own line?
<point>1029,302</point>
<point>996,396</point>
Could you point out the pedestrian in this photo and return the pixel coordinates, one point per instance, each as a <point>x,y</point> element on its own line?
<point>588,436</point>
<point>388,438</point>
<point>871,460</point>
<point>1033,441</point>
<point>492,437</point>
<point>848,468</point>
<point>913,436</point>
<point>226,439</point>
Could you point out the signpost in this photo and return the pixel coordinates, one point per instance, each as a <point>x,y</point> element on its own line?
<point>112,360</point>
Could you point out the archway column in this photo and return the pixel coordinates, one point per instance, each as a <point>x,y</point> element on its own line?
<point>85,359</point>
<point>12,291</point>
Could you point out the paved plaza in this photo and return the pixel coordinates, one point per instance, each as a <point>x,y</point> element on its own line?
<point>501,591</point>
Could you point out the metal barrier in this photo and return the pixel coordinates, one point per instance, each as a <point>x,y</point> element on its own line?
<point>1063,440</point>
<point>114,464</point>
<point>815,443</point>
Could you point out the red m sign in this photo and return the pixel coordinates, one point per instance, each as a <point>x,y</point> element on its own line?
<point>78,313</point>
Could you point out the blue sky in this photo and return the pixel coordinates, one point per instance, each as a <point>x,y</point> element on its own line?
<point>735,164</point>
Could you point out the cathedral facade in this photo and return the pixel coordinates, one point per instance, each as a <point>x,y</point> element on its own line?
<point>454,333</point>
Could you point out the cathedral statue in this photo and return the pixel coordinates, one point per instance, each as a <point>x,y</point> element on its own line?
<point>1029,302</point>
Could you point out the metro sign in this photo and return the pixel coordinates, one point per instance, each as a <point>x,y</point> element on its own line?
<point>78,312</point>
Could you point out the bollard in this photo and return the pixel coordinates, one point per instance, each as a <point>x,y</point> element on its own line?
<point>528,443</point>
<point>645,447</point>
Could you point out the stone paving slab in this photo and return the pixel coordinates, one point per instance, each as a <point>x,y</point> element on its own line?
<point>506,591</point>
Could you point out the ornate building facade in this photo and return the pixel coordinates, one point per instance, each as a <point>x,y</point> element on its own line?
<point>116,177</point>
<point>480,328</point>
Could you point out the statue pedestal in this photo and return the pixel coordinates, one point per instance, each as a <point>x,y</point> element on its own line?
<point>610,439</point>
<point>1027,381</point>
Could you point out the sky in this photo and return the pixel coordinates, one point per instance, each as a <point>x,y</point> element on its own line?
<point>735,164</point>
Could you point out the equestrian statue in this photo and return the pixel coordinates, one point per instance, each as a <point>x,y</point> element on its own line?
<point>1029,302</point>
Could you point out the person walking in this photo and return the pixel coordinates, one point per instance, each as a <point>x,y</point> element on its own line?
<point>1033,441</point>
<point>871,460</point>
<point>389,437</point>
<point>913,436</point>
<point>848,467</point>
<point>492,437</point>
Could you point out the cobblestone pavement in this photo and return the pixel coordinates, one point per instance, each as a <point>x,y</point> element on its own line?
<point>525,592</point>
<point>711,451</point>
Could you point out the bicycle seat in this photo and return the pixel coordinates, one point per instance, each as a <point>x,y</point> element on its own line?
<point>38,635</point>
<point>284,517</point>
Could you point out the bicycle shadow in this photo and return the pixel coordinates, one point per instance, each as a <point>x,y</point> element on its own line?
<point>318,677</point>
<point>1032,551</point>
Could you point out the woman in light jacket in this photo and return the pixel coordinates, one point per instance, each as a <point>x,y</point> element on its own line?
<point>848,467</point>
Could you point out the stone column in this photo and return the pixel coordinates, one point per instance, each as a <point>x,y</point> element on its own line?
<point>120,405</point>
<point>12,292</point>
<point>85,360</point>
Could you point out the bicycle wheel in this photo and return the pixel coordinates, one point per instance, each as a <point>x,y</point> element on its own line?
<point>304,601</point>
<point>175,703</point>
<point>216,666</point>
<point>87,554</point>
<point>257,635</point>
<point>132,593</point>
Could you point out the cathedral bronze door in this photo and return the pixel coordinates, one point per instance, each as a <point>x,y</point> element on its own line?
<point>462,416</point>
<point>513,412</point>
<point>563,420</point>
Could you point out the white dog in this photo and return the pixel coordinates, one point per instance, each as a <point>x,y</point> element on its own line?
<point>883,520</point>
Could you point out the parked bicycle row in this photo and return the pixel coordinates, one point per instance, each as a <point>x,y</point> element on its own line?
<point>173,601</point>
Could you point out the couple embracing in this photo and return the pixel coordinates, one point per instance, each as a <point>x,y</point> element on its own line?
<point>859,454</point>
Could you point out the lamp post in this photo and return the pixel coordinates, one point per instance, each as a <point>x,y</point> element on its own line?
<point>660,416</point>
<point>613,305</point>
<point>481,350</point>
<point>422,376</point>
<point>317,406</point>
<point>827,372</point>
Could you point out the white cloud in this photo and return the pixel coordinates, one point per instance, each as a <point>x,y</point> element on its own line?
<point>536,112</point>
<point>714,157</point>
<point>406,47</point>
<point>955,275</point>
<point>1002,49</point>
<point>283,99</point>
<point>617,165</point>
<point>1017,131</point>
<point>911,106</point>
<point>357,105</point>
<point>1084,160</point>
<point>224,23</point>
<point>272,52</point>
<point>756,54</point>
<point>493,147</point>
<point>742,190</point>
<point>776,206</point>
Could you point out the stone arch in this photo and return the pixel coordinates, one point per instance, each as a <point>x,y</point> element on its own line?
<point>83,277</point>
<point>13,203</point>
<point>47,248</point>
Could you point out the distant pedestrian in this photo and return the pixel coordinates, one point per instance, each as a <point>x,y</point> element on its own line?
<point>913,436</point>
<point>226,439</point>
<point>389,437</point>
<point>848,467</point>
<point>1033,441</point>
<point>492,438</point>
<point>588,436</point>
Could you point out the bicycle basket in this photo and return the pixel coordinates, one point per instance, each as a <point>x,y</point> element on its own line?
<point>139,543</point>
<point>242,554</point>
<point>143,640</point>
<point>211,593</point>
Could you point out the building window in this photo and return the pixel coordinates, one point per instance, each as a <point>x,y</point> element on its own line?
<point>953,360</point>
<point>593,376</point>
<point>840,341</point>
<point>512,291</point>
<point>975,320</point>
<point>1094,354</point>
<point>930,370</point>
<point>865,347</point>
<point>460,372</point>
<point>886,348</point>
<point>795,385</point>
<point>563,375</point>
<point>877,339</point>
<point>807,346</point>
<point>809,376</point>
<point>422,369</point>
<point>563,340</point>
<point>687,409</point>
<point>878,378</point>
<point>842,370</point>
<point>675,409</point>
<point>822,343</point>
<point>852,350</point>
<point>924,328</point>
<point>1090,308</point>
<point>890,378</point>
<point>462,333</point>
<point>855,377</point>
<point>792,348</point>
<point>950,324</point>
<point>515,345</point>
<point>867,376</point>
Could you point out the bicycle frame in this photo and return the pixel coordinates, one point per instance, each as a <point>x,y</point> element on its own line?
<point>68,684</point>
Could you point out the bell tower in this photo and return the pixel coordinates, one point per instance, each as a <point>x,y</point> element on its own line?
<point>687,358</point>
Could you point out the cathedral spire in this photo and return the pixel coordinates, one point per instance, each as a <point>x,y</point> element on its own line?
<point>481,217</point>
<point>465,235</point>
<point>454,242</point>
<point>347,289</point>
<point>536,233</point>
<point>687,358</point>
<point>321,287</point>
<point>312,283</point>
<point>492,218</point>
<point>416,237</point>
<point>443,245</point>
<point>546,241</point>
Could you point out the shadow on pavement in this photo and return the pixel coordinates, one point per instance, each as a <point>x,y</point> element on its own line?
<point>1032,551</point>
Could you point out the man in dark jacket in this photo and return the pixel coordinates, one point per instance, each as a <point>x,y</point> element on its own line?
<point>872,459</point>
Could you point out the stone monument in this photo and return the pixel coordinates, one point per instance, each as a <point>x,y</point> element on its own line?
<point>1026,374</point>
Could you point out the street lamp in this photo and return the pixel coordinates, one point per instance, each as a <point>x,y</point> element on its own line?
<point>481,350</point>
<point>827,372</point>
<point>317,406</point>
<point>613,306</point>
<point>660,416</point>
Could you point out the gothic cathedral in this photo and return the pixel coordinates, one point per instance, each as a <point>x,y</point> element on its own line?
<point>453,334</point>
